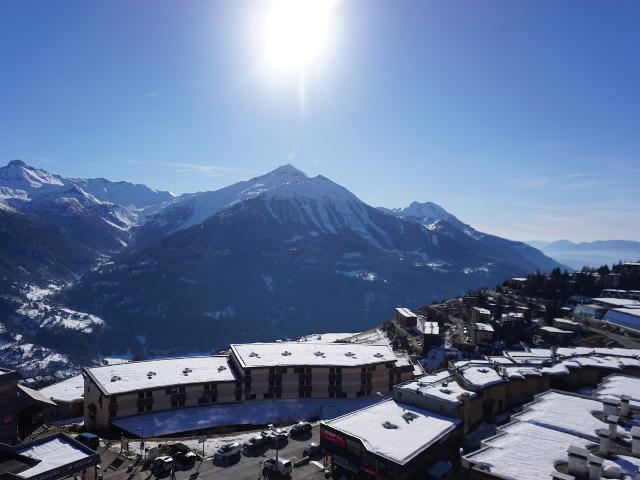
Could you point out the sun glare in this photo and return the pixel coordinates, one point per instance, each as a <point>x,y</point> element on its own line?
<point>296,33</point>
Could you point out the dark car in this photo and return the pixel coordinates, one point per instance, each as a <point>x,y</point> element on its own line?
<point>300,428</point>
<point>312,450</point>
<point>255,443</point>
<point>89,439</point>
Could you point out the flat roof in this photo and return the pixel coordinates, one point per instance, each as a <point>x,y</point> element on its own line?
<point>566,321</point>
<point>440,385</point>
<point>617,302</point>
<point>69,390</point>
<point>481,310</point>
<point>429,328</point>
<point>54,452</point>
<point>524,451</point>
<point>405,312</point>
<point>555,330</point>
<point>618,385</point>
<point>564,412</point>
<point>479,373</point>
<point>132,376</point>
<point>485,327</point>
<point>394,430</point>
<point>283,354</point>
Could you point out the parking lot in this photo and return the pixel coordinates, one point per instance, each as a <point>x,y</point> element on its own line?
<point>114,466</point>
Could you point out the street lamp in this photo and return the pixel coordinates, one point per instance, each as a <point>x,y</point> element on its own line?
<point>141,430</point>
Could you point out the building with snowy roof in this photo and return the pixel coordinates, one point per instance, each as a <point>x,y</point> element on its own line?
<point>482,333</point>
<point>390,440</point>
<point>406,317</point>
<point>314,370</point>
<point>149,386</point>
<point>68,396</point>
<point>561,435</point>
<point>254,371</point>
<point>49,458</point>
<point>479,314</point>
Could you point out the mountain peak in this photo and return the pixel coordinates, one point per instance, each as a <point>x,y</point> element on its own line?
<point>288,170</point>
<point>17,163</point>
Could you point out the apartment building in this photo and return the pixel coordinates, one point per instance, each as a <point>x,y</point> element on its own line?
<point>149,386</point>
<point>316,370</point>
<point>8,405</point>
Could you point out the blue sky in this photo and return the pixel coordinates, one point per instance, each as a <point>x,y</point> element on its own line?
<point>520,117</point>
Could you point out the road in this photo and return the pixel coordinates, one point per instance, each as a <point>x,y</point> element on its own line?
<point>247,467</point>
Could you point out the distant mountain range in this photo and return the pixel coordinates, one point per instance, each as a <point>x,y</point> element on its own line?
<point>591,254</point>
<point>279,255</point>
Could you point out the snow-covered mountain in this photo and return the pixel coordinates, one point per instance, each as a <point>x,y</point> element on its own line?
<point>428,214</point>
<point>284,254</point>
<point>192,209</point>
<point>591,254</point>
<point>21,181</point>
<point>278,255</point>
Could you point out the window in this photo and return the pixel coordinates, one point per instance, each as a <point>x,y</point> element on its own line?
<point>148,394</point>
<point>140,394</point>
<point>182,389</point>
<point>140,408</point>
<point>170,390</point>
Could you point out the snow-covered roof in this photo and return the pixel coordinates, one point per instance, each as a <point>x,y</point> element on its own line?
<point>520,371</point>
<point>525,451</point>
<point>485,327</point>
<point>441,385</point>
<point>566,321</point>
<point>68,390</point>
<point>51,453</point>
<point>394,430</point>
<point>617,302</point>
<point>618,385</point>
<point>555,330</point>
<point>132,376</point>
<point>564,412</point>
<point>405,312</point>
<point>282,354</point>
<point>482,311</point>
<point>478,373</point>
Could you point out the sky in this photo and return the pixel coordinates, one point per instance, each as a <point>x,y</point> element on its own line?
<point>522,118</point>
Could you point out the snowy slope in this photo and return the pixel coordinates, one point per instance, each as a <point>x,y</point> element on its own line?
<point>192,209</point>
<point>21,181</point>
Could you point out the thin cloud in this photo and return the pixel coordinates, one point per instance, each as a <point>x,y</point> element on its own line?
<point>149,95</point>
<point>576,175</point>
<point>185,168</point>
<point>292,155</point>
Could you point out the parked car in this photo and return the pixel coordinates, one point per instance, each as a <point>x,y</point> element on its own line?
<point>163,464</point>
<point>312,450</point>
<point>277,437</point>
<point>181,454</point>
<point>227,451</point>
<point>280,465</point>
<point>256,443</point>
<point>89,439</point>
<point>300,428</point>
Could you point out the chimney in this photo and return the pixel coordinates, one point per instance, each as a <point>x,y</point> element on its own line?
<point>465,398</point>
<point>612,420</point>
<point>635,441</point>
<point>605,441</point>
<point>624,405</point>
<point>554,353</point>
<point>595,467</point>
<point>578,461</point>
<point>610,406</point>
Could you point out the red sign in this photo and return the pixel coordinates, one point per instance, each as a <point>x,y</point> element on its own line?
<point>7,419</point>
<point>333,438</point>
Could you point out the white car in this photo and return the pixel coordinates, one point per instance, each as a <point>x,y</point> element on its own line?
<point>283,466</point>
<point>163,464</point>
<point>228,450</point>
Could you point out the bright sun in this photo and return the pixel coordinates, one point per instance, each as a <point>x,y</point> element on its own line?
<point>296,33</point>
